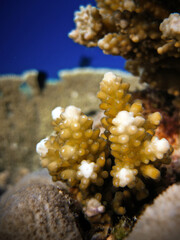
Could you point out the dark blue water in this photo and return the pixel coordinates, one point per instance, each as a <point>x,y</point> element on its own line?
<point>33,35</point>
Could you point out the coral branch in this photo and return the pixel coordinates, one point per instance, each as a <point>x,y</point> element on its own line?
<point>146,33</point>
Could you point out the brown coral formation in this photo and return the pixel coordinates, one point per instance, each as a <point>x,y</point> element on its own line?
<point>170,29</point>
<point>89,26</point>
<point>25,113</point>
<point>144,32</point>
<point>160,220</point>
<point>38,209</point>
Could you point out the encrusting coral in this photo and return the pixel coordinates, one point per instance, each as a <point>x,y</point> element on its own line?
<point>146,33</point>
<point>161,219</point>
<point>116,160</point>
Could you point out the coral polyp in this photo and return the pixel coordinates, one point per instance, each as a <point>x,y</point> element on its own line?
<point>117,160</point>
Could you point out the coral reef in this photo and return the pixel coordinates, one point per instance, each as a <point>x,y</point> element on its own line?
<point>119,159</point>
<point>37,208</point>
<point>161,219</point>
<point>146,33</point>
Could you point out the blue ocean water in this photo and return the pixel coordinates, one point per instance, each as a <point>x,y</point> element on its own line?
<point>34,35</point>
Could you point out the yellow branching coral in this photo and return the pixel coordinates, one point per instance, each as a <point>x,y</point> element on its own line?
<point>135,148</point>
<point>74,152</point>
<point>119,158</point>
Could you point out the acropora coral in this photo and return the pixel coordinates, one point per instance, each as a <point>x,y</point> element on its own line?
<point>146,33</point>
<point>107,167</point>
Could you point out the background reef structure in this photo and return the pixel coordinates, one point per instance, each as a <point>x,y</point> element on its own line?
<point>105,170</point>
<point>146,33</point>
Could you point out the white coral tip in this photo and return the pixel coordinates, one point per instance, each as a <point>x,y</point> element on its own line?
<point>109,77</point>
<point>126,176</point>
<point>56,112</point>
<point>72,113</point>
<point>123,118</point>
<point>93,207</point>
<point>41,148</point>
<point>162,145</point>
<point>159,147</point>
<point>86,169</point>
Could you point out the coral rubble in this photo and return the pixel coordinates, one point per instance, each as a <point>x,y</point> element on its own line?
<point>146,33</point>
<point>117,160</point>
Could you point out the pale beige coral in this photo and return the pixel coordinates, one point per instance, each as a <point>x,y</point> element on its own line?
<point>89,26</point>
<point>93,207</point>
<point>161,219</point>
<point>119,31</point>
<point>136,31</point>
<point>170,28</point>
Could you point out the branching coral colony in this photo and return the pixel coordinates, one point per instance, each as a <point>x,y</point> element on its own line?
<point>105,168</point>
<point>146,33</point>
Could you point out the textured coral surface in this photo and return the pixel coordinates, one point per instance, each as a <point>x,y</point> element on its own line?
<point>36,209</point>
<point>161,219</point>
<point>146,33</point>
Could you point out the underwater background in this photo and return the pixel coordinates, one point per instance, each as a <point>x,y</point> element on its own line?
<point>34,35</point>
